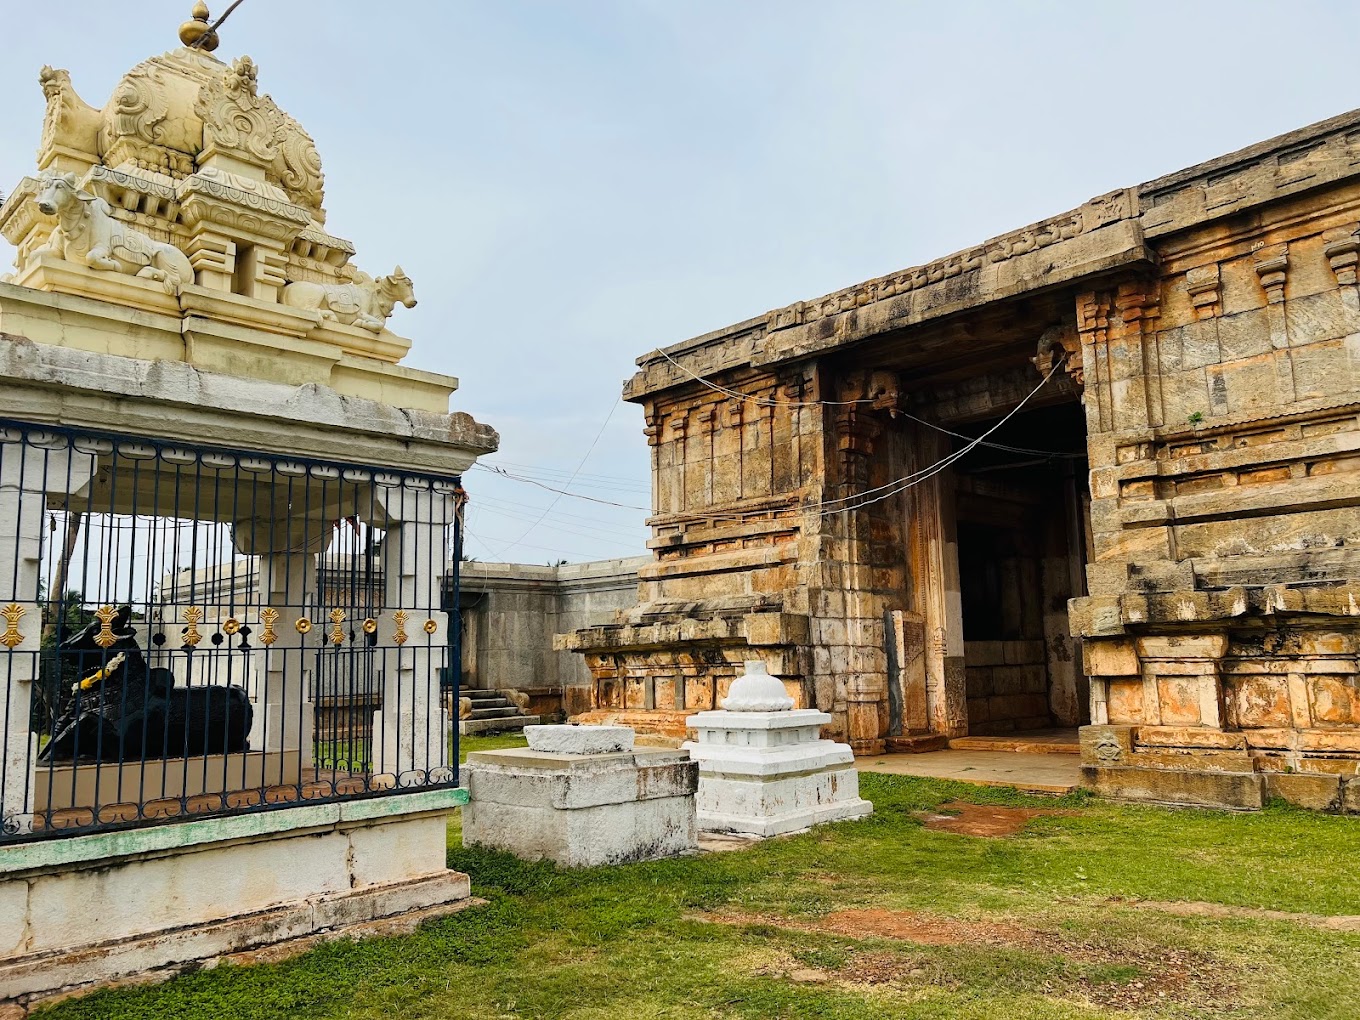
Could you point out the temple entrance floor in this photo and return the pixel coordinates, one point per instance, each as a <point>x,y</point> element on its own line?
<point>1050,741</point>
<point>1033,772</point>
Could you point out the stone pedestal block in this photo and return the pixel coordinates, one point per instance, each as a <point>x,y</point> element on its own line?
<point>582,810</point>
<point>767,773</point>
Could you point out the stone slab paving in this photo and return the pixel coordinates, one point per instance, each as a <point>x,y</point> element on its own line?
<point>1036,773</point>
<point>1054,741</point>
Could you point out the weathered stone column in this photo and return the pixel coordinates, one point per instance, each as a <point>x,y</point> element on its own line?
<point>935,561</point>
<point>28,474</point>
<point>411,730</point>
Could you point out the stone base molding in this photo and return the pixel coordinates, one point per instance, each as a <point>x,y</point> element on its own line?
<point>769,773</point>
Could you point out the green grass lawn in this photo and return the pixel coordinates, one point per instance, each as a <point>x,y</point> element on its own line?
<point>1072,917</point>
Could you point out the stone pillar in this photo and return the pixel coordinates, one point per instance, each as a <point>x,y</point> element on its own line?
<point>28,474</point>
<point>286,549</point>
<point>864,696</point>
<point>411,731</point>
<point>283,712</point>
<point>935,561</point>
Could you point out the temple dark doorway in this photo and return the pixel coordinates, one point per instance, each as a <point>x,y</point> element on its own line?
<point>1023,527</point>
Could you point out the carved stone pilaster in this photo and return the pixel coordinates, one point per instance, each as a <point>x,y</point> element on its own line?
<point>1093,330</point>
<point>1342,248</point>
<point>213,257</point>
<point>1272,270</point>
<point>1203,284</point>
<point>1272,267</point>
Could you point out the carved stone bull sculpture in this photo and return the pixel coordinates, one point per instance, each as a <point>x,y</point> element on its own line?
<point>88,235</point>
<point>366,303</point>
<point>123,711</point>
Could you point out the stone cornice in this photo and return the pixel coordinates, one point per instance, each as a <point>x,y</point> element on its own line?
<point>173,400</point>
<point>1107,233</point>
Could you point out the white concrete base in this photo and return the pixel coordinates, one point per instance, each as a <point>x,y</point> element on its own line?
<point>582,810</point>
<point>769,773</point>
<point>88,909</point>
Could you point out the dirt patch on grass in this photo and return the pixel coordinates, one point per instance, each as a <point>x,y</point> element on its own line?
<point>1161,974</point>
<point>983,819</point>
<point>1199,908</point>
<point>923,929</point>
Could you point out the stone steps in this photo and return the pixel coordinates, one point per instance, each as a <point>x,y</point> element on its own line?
<point>467,727</point>
<point>500,712</point>
<point>492,712</point>
<point>917,743</point>
<point>1063,742</point>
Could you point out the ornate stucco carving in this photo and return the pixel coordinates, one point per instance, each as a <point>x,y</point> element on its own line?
<point>193,177</point>
<point>298,167</point>
<point>149,122</point>
<point>235,118</point>
<point>240,122</point>
<point>70,132</point>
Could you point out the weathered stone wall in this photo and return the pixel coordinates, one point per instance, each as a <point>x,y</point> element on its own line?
<point>511,611</point>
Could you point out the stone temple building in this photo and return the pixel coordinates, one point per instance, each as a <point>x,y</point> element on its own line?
<point>1097,472</point>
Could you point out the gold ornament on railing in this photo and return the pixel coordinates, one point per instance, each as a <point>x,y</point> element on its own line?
<point>269,617</point>
<point>370,626</point>
<point>431,626</point>
<point>399,618</point>
<point>303,625</point>
<point>337,631</point>
<point>231,626</point>
<point>105,615</point>
<point>193,616</point>
<point>12,613</point>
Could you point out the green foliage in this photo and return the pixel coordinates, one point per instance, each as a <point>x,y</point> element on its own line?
<point>641,941</point>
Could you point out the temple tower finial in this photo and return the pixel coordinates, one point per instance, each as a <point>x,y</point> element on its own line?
<point>197,32</point>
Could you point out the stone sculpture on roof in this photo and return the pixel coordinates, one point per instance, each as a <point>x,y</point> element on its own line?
<point>192,184</point>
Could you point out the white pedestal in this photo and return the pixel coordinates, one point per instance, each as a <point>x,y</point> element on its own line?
<point>767,773</point>
<point>580,810</point>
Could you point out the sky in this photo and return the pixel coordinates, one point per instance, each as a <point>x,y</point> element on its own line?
<point>573,184</point>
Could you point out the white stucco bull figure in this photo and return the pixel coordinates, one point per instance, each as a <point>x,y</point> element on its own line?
<point>365,303</point>
<point>88,235</point>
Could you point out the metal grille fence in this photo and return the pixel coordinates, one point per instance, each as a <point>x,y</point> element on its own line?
<point>188,630</point>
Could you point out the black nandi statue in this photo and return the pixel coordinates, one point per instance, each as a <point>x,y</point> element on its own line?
<point>123,711</point>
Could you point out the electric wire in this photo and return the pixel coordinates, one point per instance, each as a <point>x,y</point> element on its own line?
<point>888,489</point>
<point>581,464</point>
<point>766,402</point>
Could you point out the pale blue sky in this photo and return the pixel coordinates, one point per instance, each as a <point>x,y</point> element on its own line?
<point>573,184</point>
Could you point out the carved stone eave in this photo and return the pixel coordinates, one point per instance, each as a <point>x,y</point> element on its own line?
<point>248,210</point>
<point>318,246</point>
<point>135,191</point>
<point>19,216</point>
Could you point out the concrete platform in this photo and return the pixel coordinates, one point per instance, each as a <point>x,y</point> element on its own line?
<point>1033,773</point>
